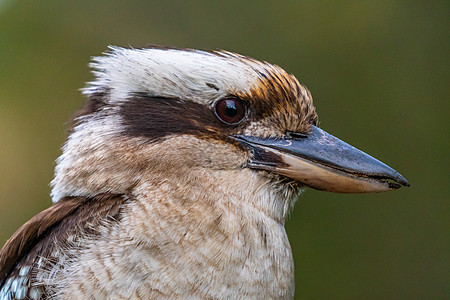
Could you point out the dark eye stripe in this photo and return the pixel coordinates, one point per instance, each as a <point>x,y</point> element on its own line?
<point>158,117</point>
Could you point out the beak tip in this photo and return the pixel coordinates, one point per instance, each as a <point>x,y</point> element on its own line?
<point>404,182</point>
<point>400,180</point>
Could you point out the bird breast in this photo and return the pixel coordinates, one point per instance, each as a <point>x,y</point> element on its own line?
<point>206,241</point>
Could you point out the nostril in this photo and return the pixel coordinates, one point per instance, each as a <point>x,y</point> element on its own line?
<point>295,135</point>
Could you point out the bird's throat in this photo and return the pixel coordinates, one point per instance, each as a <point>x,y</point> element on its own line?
<point>242,242</point>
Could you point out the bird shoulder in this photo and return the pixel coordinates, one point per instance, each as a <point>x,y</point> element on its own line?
<point>31,246</point>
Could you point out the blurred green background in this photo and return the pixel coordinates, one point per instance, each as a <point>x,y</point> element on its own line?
<point>379,75</point>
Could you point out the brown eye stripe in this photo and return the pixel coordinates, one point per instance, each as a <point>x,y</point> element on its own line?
<point>158,117</point>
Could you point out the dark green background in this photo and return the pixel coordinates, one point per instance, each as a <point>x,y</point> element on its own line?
<point>379,75</point>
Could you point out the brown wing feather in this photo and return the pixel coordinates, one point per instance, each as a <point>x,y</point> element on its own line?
<point>37,237</point>
<point>31,232</point>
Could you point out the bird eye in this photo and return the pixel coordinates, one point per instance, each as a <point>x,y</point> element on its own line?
<point>230,111</point>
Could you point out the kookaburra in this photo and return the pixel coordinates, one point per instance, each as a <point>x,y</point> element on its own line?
<point>176,180</point>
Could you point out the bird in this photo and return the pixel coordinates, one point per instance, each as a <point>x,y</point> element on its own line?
<point>176,180</point>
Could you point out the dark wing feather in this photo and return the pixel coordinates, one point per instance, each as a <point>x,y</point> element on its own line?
<point>38,237</point>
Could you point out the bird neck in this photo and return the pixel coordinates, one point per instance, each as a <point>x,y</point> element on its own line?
<point>196,233</point>
<point>241,192</point>
<point>223,221</point>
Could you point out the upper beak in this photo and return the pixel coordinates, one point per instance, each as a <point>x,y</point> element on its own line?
<point>321,161</point>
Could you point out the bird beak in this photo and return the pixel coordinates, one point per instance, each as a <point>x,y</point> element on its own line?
<point>321,161</point>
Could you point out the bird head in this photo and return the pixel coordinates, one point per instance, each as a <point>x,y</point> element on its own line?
<point>158,111</point>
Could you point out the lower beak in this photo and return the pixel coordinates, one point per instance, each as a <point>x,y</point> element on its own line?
<point>321,161</point>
